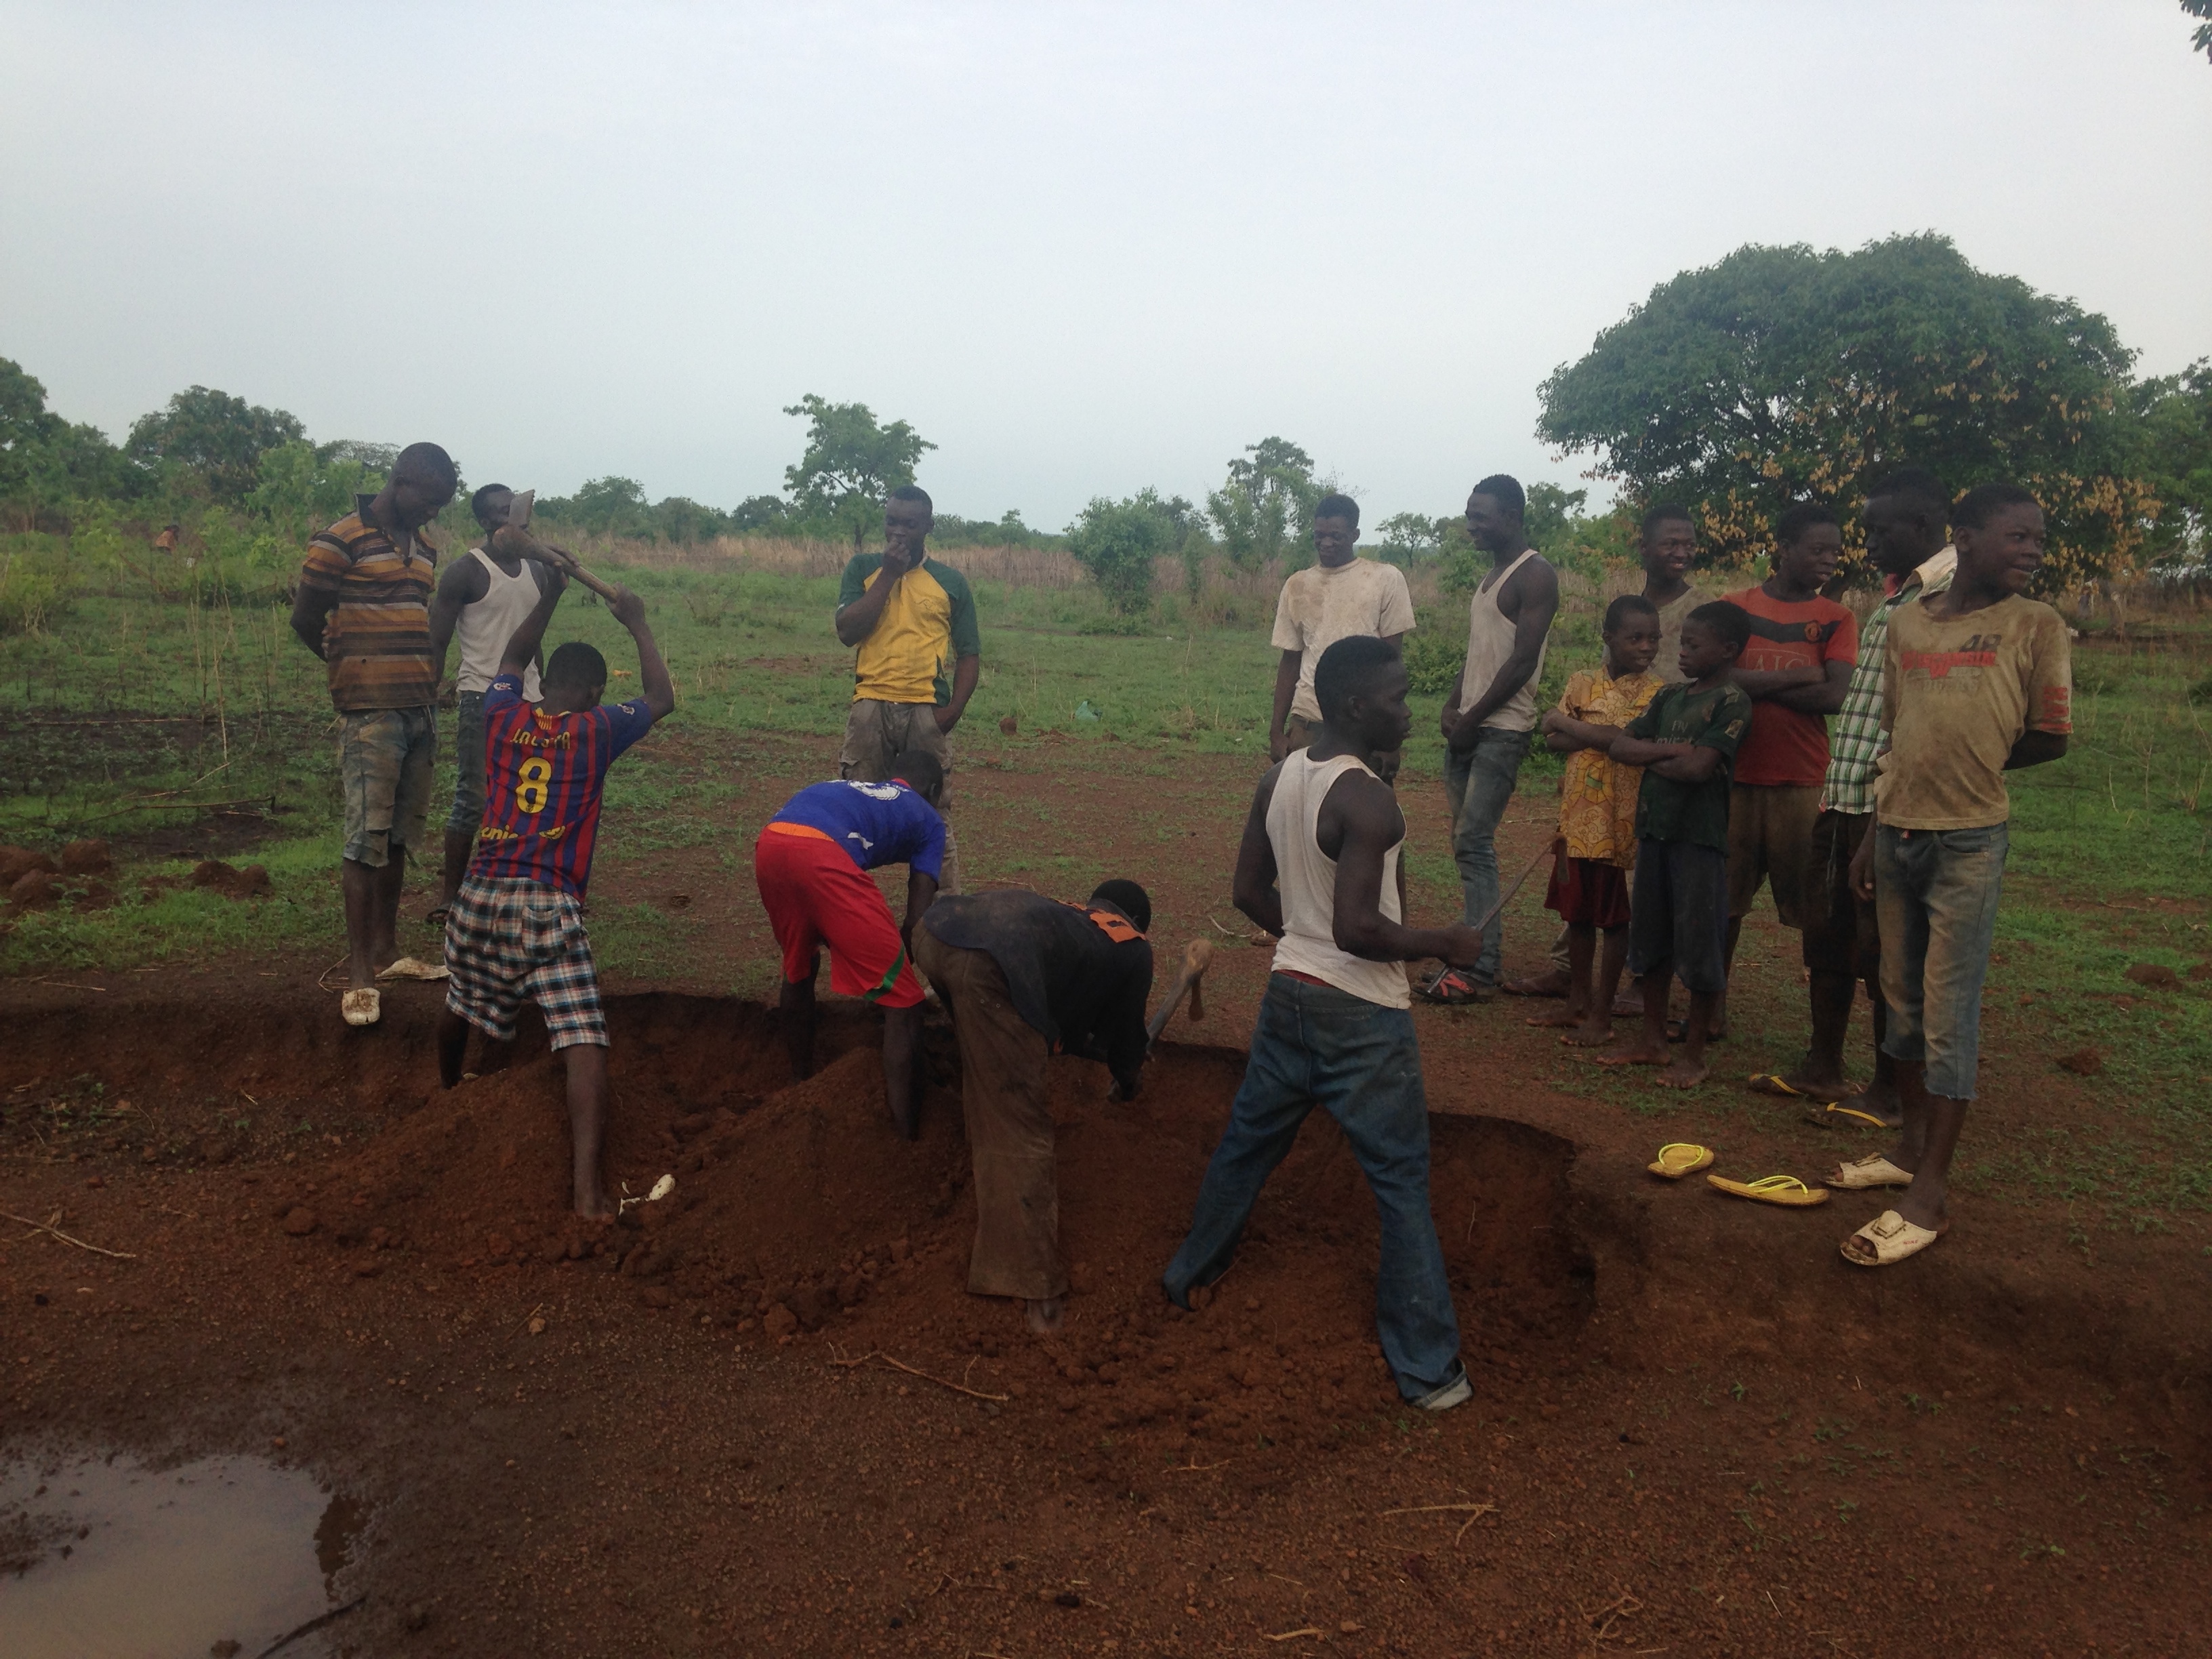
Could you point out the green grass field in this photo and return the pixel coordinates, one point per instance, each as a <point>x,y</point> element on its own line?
<point>122,706</point>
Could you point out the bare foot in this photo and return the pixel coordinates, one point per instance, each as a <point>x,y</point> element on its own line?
<point>1551,984</point>
<point>1589,1035</point>
<point>1881,1105</point>
<point>1822,1089</point>
<point>1683,1075</point>
<point>1046,1317</point>
<point>1638,1050</point>
<point>1559,1015</point>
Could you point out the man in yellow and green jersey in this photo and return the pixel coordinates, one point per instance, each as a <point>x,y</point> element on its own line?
<point>910,618</point>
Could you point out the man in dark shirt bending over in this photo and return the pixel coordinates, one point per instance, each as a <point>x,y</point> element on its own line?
<point>1024,976</point>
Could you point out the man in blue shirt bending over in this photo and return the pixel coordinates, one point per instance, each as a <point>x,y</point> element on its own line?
<point>812,864</point>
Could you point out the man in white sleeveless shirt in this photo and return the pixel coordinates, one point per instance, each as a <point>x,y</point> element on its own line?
<point>1318,869</point>
<point>1492,710</point>
<point>483,596</point>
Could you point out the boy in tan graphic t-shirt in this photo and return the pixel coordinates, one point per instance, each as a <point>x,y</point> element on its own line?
<point>1976,681</point>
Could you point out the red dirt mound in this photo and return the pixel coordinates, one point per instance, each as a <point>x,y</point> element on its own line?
<point>805,1213</point>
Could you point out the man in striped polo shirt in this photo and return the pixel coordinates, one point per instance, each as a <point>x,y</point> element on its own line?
<point>363,607</point>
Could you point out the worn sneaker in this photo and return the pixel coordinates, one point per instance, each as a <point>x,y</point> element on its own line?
<point>1457,1392</point>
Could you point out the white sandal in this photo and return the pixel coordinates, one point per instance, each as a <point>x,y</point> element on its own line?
<point>1872,1171</point>
<point>1890,1238</point>
<point>414,967</point>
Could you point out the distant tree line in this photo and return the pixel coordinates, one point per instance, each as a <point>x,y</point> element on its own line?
<point>1776,376</point>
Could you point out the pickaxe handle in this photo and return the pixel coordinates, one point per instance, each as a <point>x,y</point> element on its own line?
<point>1197,957</point>
<point>1549,850</point>
<point>512,540</point>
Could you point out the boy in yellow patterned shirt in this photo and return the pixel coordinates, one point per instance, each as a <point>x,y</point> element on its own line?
<point>1597,815</point>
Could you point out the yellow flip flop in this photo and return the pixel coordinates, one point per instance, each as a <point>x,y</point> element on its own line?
<point>1783,1189</point>
<point>1678,1158</point>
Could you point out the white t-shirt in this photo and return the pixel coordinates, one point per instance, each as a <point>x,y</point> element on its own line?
<point>1320,606</point>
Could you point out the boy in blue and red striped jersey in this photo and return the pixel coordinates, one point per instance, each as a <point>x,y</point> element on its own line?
<point>811,863</point>
<point>516,932</point>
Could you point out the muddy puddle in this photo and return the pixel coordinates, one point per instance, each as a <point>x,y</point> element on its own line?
<point>228,1556</point>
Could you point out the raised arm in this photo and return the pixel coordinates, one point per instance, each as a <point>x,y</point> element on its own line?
<point>856,620</point>
<point>522,645</point>
<point>660,688</point>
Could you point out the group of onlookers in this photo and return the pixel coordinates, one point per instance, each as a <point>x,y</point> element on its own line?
<point>1701,769</point>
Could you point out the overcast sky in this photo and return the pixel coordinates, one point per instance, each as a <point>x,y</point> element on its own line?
<point>1082,248</point>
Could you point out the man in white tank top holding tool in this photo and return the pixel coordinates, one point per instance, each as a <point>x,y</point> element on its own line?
<point>483,597</point>
<point>1491,711</point>
<point>1318,868</point>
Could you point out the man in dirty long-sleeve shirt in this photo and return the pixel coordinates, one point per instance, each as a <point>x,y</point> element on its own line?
<point>1025,976</point>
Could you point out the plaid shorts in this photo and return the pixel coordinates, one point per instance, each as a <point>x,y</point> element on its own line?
<point>508,942</point>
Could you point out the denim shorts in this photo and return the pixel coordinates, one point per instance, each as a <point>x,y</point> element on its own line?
<point>1936,891</point>
<point>1678,916</point>
<point>467,815</point>
<point>385,759</point>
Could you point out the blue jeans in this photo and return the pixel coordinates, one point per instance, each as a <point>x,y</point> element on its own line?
<point>467,815</point>
<point>1936,898</point>
<point>1480,781</point>
<point>1317,1046</point>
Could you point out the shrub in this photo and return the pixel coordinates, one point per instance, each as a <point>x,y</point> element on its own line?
<point>1117,541</point>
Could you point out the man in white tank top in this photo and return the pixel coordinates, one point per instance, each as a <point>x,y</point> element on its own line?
<point>483,597</point>
<point>1318,869</point>
<point>1492,710</point>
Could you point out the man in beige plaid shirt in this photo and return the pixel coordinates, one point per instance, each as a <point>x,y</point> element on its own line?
<point>1905,520</point>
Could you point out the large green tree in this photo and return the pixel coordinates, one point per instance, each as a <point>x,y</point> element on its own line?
<point>1781,374</point>
<point>2174,456</point>
<point>2202,39</point>
<point>852,462</point>
<point>216,436</point>
<point>1266,505</point>
<point>48,463</point>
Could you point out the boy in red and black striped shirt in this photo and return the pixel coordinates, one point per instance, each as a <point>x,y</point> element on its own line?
<point>516,932</point>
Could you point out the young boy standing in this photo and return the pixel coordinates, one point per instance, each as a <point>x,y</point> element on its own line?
<point>1795,670</point>
<point>1597,815</point>
<point>1337,596</point>
<point>811,864</point>
<point>515,931</point>
<point>1977,681</point>
<point>1685,741</point>
<point>1667,545</point>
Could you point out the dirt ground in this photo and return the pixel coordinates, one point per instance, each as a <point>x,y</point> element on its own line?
<point>767,1417</point>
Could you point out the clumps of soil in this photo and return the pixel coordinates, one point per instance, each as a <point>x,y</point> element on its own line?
<point>30,880</point>
<point>800,1216</point>
<point>213,874</point>
<point>2154,976</point>
<point>16,862</point>
<point>2083,1062</point>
